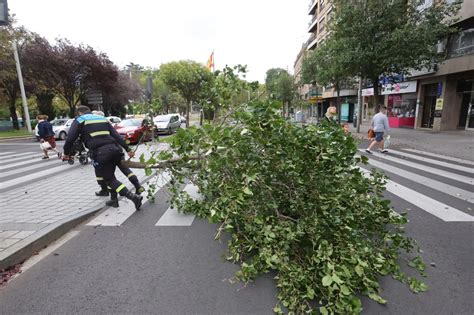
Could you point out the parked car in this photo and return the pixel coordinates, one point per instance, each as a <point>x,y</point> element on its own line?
<point>134,130</point>
<point>60,128</point>
<point>167,123</point>
<point>113,120</point>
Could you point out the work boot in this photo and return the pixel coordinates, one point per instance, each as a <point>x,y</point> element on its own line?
<point>139,190</point>
<point>113,202</point>
<point>136,199</point>
<point>102,193</point>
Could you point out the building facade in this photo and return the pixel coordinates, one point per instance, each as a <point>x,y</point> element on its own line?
<point>445,95</point>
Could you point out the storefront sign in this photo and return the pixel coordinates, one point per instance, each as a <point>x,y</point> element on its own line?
<point>440,89</point>
<point>399,88</point>
<point>439,104</point>
<point>368,92</point>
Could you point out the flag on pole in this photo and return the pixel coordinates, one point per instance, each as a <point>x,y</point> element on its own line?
<point>210,62</point>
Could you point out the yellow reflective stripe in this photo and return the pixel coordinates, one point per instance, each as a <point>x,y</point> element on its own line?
<point>95,121</point>
<point>130,175</point>
<point>120,188</point>
<point>99,178</point>
<point>100,133</point>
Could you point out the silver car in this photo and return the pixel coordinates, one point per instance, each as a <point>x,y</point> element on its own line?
<point>167,123</point>
<point>60,128</point>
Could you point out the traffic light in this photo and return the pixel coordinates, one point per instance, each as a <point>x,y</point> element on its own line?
<point>3,12</point>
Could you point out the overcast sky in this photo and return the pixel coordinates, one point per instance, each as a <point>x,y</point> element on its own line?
<point>260,33</point>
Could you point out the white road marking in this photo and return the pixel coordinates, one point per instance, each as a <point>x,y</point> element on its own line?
<point>15,156</point>
<point>25,179</point>
<point>434,184</point>
<point>441,156</point>
<point>117,216</point>
<point>174,218</point>
<point>436,162</point>
<point>425,203</point>
<point>41,164</point>
<point>6,153</point>
<point>459,178</point>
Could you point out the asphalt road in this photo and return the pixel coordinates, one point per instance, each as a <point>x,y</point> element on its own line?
<point>140,268</point>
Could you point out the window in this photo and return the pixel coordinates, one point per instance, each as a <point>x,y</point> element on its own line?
<point>425,4</point>
<point>461,44</point>
<point>321,5</point>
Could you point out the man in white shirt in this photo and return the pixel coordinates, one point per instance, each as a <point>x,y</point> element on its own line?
<point>379,125</point>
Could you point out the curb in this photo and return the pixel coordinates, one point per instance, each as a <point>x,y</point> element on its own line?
<point>17,138</point>
<point>34,243</point>
<point>27,247</point>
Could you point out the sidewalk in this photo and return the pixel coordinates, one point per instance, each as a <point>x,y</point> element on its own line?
<point>37,213</point>
<point>456,143</point>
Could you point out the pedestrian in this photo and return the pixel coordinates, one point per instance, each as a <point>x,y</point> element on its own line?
<point>106,146</point>
<point>104,191</point>
<point>331,114</point>
<point>46,134</point>
<point>379,125</point>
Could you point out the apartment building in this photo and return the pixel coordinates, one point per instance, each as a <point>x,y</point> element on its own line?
<point>320,97</point>
<point>445,95</point>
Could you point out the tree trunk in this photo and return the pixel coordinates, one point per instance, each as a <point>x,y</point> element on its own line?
<point>45,104</point>
<point>13,114</point>
<point>188,109</point>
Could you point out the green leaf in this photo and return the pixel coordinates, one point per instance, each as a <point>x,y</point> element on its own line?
<point>377,298</point>
<point>247,191</point>
<point>327,280</point>
<point>336,279</point>
<point>323,310</point>
<point>359,270</point>
<point>345,290</point>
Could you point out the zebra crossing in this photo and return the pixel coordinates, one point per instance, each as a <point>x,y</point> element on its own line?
<point>447,193</point>
<point>450,181</point>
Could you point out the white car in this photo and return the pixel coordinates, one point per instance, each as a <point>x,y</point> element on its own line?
<point>167,123</point>
<point>114,120</point>
<point>60,128</point>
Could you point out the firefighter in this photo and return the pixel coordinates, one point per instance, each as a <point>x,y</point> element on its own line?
<point>104,190</point>
<point>106,146</point>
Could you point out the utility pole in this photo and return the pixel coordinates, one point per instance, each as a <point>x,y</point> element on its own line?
<point>22,87</point>
<point>359,105</point>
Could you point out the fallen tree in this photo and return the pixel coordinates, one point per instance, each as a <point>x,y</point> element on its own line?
<point>294,201</point>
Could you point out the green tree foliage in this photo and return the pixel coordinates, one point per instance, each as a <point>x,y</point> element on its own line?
<point>191,79</point>
<point>281,86</point>
<point>327,65</point>
<point>9,85</point>
<point>295,202</point>
<point>39,69</point>
<point>381,37</point>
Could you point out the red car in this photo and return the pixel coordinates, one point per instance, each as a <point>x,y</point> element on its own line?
<point>134,130</point>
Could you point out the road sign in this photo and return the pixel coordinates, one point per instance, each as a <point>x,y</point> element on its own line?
<point>94,97</point>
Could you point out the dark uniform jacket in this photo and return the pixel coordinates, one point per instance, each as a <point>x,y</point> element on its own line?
<point>95,131</point>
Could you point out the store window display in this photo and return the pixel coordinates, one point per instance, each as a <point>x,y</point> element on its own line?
<point>401,110</point>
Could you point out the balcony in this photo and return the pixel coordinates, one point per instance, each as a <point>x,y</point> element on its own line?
<point>312,41</point>
<point>313,25</point>
<point>313,7</point>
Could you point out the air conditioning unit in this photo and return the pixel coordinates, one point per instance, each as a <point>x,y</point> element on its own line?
<point>441,47</point>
